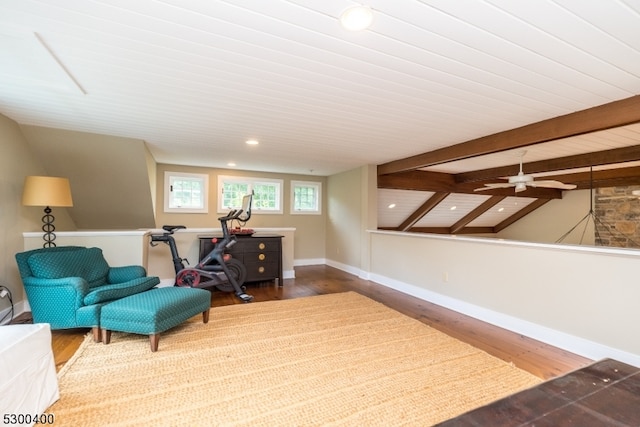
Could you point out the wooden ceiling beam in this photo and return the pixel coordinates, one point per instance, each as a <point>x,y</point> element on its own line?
<point>432,230</point>
<point>476,230</point>
<point>442,182</point>
<point>607,116</point>
<point>618,177</point>
<point>615,177</point>
<point>418,181</point>
<point>485,206</point>
<point>426,207</point>
<point>606,157</point>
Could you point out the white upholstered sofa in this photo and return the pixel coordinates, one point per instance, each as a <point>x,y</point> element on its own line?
<point>28,380</point>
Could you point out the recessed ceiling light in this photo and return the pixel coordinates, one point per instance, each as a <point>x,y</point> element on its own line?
<point>231,164</point>
<point>252,142</point>
<point>501,210</point>
<point>453,208</point>
<point>356,18</point>
<point>391,206</point>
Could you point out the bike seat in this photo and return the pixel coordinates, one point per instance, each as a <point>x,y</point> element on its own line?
<point>172,228</point>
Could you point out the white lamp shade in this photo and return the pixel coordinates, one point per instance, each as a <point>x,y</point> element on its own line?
<point>46,191</point>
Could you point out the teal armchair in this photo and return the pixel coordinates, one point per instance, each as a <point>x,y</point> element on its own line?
<point>67,285</point>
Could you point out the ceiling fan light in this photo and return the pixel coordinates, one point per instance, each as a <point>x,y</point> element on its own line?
<point>356,18</point>
<point>520,178</point>
<point>520,186</point>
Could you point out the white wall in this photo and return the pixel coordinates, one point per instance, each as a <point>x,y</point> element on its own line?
<point>583,299</point>
<point>118,247</point>
<point>551,221</point>
<point>347,205</point>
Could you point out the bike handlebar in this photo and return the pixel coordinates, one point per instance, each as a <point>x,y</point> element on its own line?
<point>233,214</point>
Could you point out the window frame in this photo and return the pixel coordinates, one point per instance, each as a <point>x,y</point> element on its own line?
<point>318,186</point>
<point>251,184</point>
<point>169,178</point>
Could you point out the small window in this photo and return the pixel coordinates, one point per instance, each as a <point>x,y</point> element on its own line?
<point>232,193</point>
<point>267,193</point>
<point>186,192</point>
<point>306,197</point>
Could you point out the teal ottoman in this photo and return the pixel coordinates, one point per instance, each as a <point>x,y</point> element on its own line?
<point>153,311</point>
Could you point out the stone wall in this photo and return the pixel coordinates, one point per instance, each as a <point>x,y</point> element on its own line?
<point>617,217</point>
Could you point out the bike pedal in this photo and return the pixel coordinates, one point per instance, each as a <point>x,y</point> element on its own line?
<point>245,297</point>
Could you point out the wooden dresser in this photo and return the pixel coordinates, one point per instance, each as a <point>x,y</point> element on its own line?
<point>261,254</point>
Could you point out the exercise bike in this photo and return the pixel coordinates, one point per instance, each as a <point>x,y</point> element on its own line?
<point>216,269</point>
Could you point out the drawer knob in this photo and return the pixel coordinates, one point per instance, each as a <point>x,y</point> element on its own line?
<point>261,257</point>
<point>260,269</point>
<point>261,246</point>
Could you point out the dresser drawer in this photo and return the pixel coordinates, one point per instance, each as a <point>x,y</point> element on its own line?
<point>255,244</point>
<point>259,271</point>
<point>264,257</point>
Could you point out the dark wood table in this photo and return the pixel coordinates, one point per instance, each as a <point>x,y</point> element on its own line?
<point>606,393</point>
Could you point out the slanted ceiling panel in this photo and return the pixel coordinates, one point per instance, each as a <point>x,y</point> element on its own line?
<point>500,212</point>
<point>404,202</point>
<point>451,209</point>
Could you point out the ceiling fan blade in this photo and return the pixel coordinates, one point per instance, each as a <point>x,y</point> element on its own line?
<point>552,184</point>
<point>494,186</point>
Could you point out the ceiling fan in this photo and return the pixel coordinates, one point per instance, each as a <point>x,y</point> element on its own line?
<point>522,181</point>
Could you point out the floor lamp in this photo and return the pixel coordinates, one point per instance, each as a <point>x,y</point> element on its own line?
<point>48,191</point>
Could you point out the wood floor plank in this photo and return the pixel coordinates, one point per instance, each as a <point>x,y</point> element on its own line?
<point>533,356</point>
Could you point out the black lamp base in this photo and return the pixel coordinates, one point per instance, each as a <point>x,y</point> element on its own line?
<point>48,228</point>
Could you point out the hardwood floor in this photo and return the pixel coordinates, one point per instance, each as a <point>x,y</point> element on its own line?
<point>538,358</point>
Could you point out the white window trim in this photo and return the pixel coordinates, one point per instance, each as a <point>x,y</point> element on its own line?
<point>251,182</point>
<point>318,186</point>
<point>167,192</point>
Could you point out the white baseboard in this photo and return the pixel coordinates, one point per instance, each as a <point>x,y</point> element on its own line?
<point>331,263</point>
<point>308,261</point>
<point>571,343</point>
<point>18,308</point>
<point>166,283</point>
<point>344,267</point>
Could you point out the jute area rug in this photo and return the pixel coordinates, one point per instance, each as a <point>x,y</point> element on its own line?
<point>338,359</point>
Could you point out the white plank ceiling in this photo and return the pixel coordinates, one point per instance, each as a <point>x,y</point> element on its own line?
<point>194,79</point>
